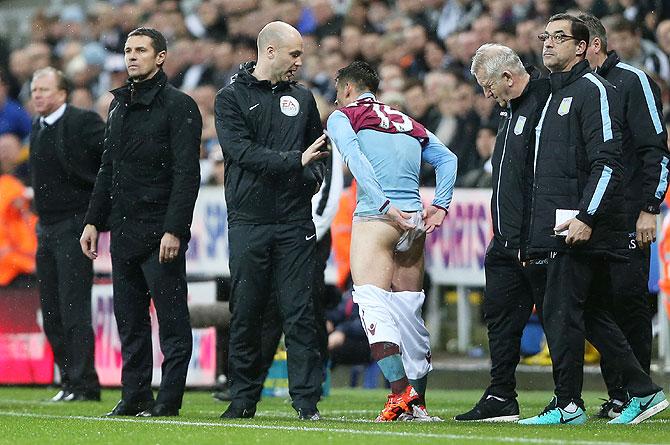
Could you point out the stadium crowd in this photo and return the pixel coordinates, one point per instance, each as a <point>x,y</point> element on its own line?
<point>421,49</point>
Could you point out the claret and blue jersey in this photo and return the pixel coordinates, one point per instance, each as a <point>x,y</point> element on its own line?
<point>384,149</point>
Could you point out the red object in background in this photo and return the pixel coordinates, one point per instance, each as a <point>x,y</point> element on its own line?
<point>25,354</point>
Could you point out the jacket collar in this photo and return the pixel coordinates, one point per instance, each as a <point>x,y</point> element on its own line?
<point>245,76</point>
<point>145,92</point>
<point>565,78</point>
<point>608,64</point>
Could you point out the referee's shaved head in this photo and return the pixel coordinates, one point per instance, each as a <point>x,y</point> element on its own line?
<point>280,49</point>
<point>275,34</point>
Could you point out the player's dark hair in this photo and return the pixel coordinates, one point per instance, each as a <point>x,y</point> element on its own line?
<point>360,74</point>
<point>578,29</point>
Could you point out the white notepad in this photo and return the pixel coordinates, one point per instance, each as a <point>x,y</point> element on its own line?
<point>563,215</point>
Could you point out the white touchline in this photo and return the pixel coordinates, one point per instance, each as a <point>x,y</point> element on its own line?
<point>222,424</point>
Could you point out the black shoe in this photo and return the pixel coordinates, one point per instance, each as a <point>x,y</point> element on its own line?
<point>238,413</point>
<point>81,397</point>
<point>62,394</point>
<point>610,409</point>
<point>130,409</point>
<point>159,410</point>
<point>491,409</point>
<point>309,414</point>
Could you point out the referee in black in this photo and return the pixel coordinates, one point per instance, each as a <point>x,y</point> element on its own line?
<point>271,135</point>
<point>145,192</point>
<point>645,162</point>
<point>66,145</point>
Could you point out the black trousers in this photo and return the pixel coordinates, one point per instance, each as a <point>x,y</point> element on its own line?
<point>573,311</point>
<point>273,261</point>
<point>511,291</point>
<point>137,280</point>
<point>65,278</point>
<point>628,300</point>
<point>272,326</point>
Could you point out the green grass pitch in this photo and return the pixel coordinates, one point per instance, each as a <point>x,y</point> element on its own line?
<point>26,417</point>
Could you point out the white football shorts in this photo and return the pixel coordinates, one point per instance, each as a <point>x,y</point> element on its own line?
<point>395,317</point>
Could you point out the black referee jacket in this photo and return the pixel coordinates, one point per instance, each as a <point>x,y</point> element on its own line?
<point>644,138</point>
<point>578,164</point>
<point>263,130</point>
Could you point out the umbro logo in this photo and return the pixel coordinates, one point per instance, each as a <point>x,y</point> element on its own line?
<point>253,106</point>
<point>372,328</point>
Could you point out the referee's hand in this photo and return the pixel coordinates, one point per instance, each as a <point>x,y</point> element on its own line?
<point>313,152</point>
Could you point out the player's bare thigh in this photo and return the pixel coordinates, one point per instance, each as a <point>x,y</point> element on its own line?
<point>372,252</point>
<point>409,268</point>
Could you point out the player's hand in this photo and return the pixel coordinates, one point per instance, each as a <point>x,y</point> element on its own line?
<point>313,152</point>
<point>578,232</point>
<point>169,248</point>
<point>646,229</point>
<point>400,218</point>
<point>433,217</point>
<point>89,241</point>
<point>335,340</point>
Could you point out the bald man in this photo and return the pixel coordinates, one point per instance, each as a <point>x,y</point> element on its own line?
<point>273,146</point>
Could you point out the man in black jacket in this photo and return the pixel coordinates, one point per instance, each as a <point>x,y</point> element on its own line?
<point>512,287</point>
<point>145,193</point>
<point>645,159</point>
<point>576,222</point>
<point>266,123</point>
<point>66,145</point>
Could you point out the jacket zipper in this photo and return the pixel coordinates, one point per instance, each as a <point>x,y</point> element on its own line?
<point>500,171</point>
<point>538,133</point>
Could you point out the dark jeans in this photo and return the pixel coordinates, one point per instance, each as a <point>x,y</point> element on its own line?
<point>574,311</point>
<point>65,278</point>
<point>273,261</point>
<point>511,291</point>
<point>627,298</point>
<point>137,281</point>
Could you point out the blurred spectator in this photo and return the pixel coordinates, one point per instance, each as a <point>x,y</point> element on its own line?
<point>14,158</point>
<point>218,168</point>
<point>18,243</point>
<point>201,69</point>
<point>347,343</point>
<point>418,105</point>
<point>102,105</point>
<point>663,36</point>
<point>13,117</point>
<point>481,177</point>
<point>624,37</point>
<point>457,15</point>
<point>207,22</point>
<point>225,64</point>
<point>527,45</point>
<point>82,98</point>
